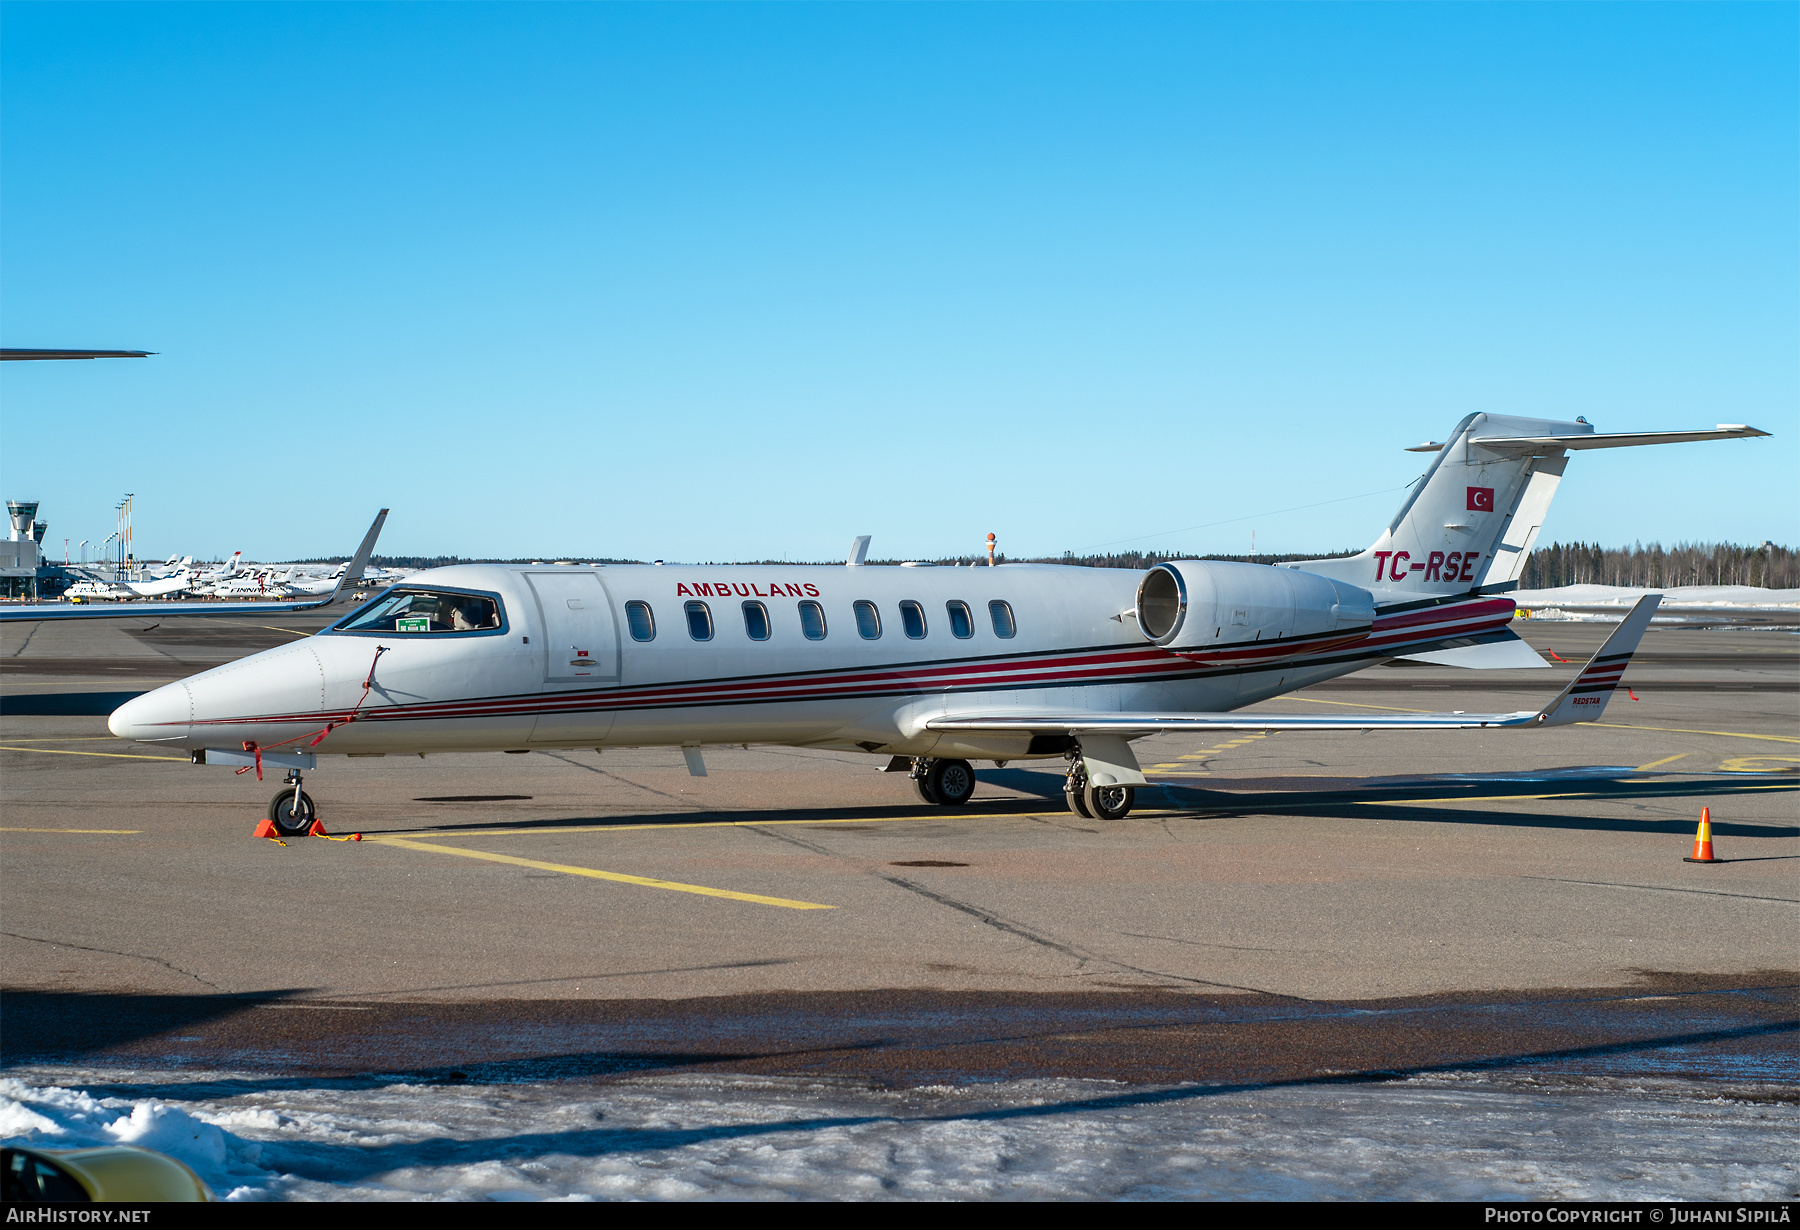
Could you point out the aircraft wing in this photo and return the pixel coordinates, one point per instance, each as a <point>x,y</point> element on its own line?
<point>1584,700</point>
<point>140,610</point>
<point>1135,725</point>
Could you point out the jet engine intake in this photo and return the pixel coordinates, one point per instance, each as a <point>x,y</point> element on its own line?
<point>1218,611</point>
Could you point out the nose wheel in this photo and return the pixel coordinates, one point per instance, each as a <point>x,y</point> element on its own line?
<point>292,812</point>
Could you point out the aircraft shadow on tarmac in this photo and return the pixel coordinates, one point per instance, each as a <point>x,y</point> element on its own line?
<point>1386,799</point>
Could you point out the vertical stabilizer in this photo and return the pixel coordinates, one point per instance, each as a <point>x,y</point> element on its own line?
<point>1470,521</point>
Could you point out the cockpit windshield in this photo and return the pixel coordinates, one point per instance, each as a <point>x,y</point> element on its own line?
<point>424,610</point>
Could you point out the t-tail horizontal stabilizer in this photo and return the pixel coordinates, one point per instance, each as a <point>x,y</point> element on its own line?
<point>1584,700</point>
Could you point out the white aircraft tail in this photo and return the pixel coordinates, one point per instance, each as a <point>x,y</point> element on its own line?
<point>1470,521</point>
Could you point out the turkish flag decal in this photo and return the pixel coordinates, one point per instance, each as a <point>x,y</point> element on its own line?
<point>1481,499</point>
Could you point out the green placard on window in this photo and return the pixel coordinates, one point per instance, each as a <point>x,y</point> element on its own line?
<point>412,625</point>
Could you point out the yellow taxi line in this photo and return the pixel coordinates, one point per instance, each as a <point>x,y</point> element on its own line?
<point>1673,730</point>
<point>74,739</point>
<point>1677,730</point>
<point>51,751</point>
<point>1203,754</point>
<point>1569,794</point>
<point>1348,704</point>
<point>1665,760</point>
<point>597,874</point>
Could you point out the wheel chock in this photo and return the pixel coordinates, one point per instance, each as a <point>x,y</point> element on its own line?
<point>266,829</point>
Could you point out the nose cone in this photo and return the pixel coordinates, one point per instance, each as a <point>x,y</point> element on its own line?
<point>155,716</point>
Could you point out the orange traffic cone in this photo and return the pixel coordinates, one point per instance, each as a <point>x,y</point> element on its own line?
<point>1703,841</point>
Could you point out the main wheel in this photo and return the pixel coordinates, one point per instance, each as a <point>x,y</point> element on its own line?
<point>291,821</point>
<point>922,784</point>
<point>953,781</point>
<point>1077,801</point>
<point>1109,802</point>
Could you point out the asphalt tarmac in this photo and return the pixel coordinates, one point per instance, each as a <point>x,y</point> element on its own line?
<point>1298,906</point>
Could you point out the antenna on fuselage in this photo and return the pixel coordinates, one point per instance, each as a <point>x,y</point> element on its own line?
<point>859,551</point>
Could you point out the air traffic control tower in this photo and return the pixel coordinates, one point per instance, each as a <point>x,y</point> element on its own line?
<point>21,553</point>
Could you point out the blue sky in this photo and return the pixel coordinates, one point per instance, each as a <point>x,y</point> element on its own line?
<point>718,282</point>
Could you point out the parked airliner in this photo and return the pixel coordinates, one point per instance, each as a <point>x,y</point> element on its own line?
<point>928,668</point>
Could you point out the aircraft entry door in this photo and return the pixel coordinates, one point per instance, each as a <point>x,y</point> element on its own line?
<point>581,651</point>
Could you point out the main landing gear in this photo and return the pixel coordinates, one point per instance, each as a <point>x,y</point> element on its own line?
<point>948,783</point>
<point>1093,802</point>
<point>291,811</point>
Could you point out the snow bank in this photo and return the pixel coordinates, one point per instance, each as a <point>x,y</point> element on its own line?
<point>59,1118</point>
<point>718,1137</point>
<point>1747,596</point>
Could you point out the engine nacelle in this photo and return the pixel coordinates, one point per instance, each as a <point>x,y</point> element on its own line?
<point>1216,611</point>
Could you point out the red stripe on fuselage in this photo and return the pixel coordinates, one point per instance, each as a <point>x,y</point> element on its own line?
<point>1069,669</point>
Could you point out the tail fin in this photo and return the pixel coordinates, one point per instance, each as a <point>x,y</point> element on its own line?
<point>1471,519</point>
<point>1584,700</point>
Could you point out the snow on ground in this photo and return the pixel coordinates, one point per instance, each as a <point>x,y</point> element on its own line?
<point>1469,1137</point>
<point>1747,596</point>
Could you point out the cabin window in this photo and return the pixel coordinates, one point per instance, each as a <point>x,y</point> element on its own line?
<point>641,621</point>
<point>868,621</point>
<point>699,621</point>
<point>812,621</point>
<point>962,624</point>
<point>1004,627</point>
<point>912,619</point>
<point>419,610</point>
<point>756,621</point>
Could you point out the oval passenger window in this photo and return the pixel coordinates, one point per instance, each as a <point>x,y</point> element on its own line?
<point>912,619</point>
<point>962,624</point>
<point>699,621</point>
<point>756,621</point>
<point>868,621</point>
<point>641,620</point>
<point>1003,619</point>
<point>812,621</point>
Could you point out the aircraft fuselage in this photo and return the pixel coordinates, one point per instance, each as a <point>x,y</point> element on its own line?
<point>853,657</point>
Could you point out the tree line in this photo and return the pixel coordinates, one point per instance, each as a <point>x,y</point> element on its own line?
<point>1576,563</point>
<point>1656,566</point>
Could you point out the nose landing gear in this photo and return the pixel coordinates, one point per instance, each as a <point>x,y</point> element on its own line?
<point>291,811</point>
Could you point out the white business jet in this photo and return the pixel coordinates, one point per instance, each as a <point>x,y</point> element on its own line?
<point>928,667</point>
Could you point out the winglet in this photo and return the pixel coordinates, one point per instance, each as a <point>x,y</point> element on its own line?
<point>1584,700</point>
<point>354,569</point>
